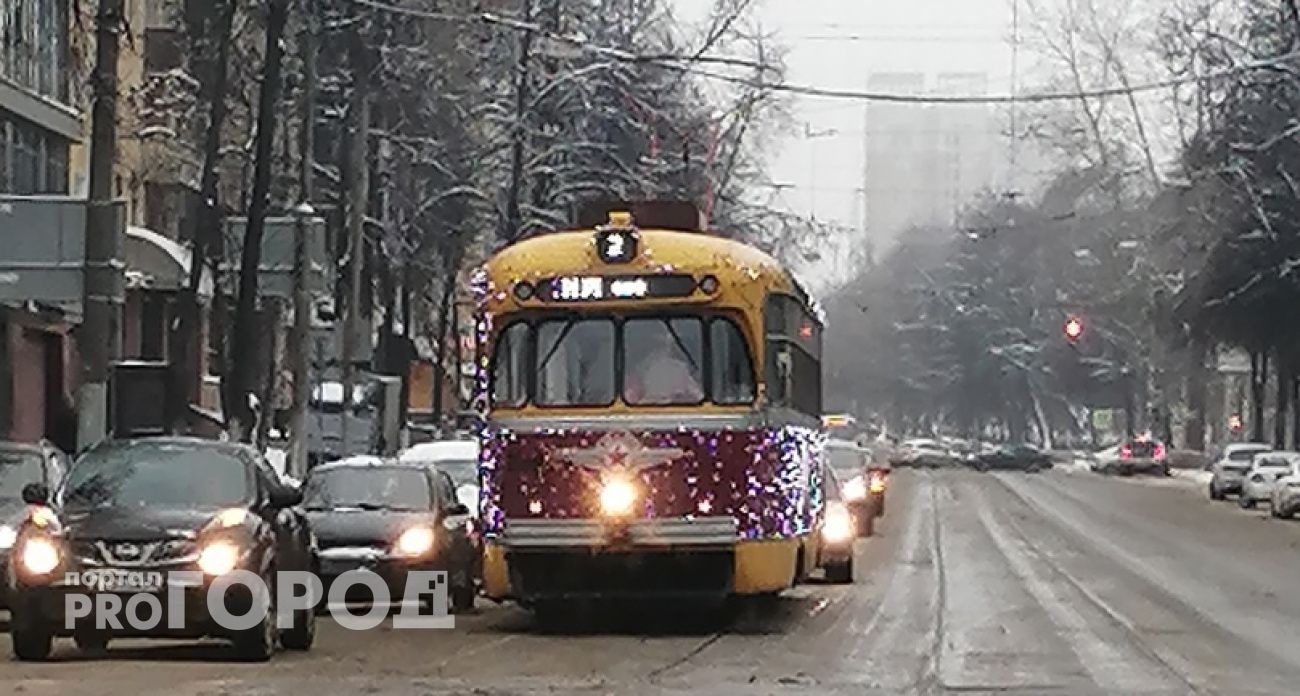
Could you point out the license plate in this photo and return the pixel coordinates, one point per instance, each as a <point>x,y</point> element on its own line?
<point>118,581</point>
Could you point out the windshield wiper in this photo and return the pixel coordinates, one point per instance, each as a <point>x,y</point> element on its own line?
<point>681,345</point>
<point>556,346</point>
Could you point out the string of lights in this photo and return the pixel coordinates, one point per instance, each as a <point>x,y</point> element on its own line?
<point>692,64</point>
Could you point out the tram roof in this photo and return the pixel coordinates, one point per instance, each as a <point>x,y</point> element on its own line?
<point>663,251</point>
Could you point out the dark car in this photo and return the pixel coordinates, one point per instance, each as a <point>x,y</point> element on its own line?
<point>20,465</point>
<point>148,509</point>
<point>392,518</point>
<point>1023,457</point>
<point>1140,455</point>
<point>836,532</point>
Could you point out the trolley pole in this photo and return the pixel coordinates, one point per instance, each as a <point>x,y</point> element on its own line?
<point>99,340</point>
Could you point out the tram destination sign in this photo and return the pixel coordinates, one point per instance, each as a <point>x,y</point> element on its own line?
<point>612,288</point>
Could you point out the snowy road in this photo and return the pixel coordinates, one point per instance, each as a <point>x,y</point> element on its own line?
<point>1061,583</point>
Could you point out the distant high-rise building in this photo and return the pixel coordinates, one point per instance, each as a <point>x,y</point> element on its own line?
<point>924,163</point>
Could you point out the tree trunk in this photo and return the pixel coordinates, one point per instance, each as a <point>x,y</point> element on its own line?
<point>440,350</point>
<point>1258,380</point>
<point>1280,418</point>
<point>217,25</point>
<point>246,334</point>
<point>511,225</point>
<point>1295,414</point>
<point>1197,379</point>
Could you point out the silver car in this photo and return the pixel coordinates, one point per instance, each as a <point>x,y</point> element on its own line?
<point>1231,468</point>
<point>1285,501</point>
<point>1267,468</point>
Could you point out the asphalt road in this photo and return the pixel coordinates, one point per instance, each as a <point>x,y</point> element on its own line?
<point>1060,583</point>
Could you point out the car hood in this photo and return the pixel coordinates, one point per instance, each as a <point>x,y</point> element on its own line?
<point>136,523</point>
<point>11,510</point>
<point>363,527</point>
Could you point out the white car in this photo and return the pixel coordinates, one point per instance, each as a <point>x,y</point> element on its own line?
<point>458,458</point>
<point>1265,470</point>
<point>1230,469</point>
<point>1285,501</point>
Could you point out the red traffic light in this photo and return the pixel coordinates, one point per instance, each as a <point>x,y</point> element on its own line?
<point>1073,329</point>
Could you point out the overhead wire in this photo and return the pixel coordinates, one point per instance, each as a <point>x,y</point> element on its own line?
<point>690,64</point>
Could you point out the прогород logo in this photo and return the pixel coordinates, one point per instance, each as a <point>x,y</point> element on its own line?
<point>142,601</point>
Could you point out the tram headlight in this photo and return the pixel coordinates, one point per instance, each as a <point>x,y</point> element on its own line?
<point>617,497</point>
<point>838,525</point>
<point>855,489</point>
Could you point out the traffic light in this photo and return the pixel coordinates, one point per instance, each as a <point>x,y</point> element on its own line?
<point>1073,329</point>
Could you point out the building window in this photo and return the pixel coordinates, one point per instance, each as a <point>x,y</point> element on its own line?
<point>34,46</point>
<point>32,159</point>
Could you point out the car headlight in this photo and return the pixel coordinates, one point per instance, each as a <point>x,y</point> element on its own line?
<point>414,542</point>
<point>40,556</point>
<point>855,489</point>
<point>218,558</point>
<point>838,525</point>
<point>8,537</point>
<point>617,497</point>
<point>877,484</point>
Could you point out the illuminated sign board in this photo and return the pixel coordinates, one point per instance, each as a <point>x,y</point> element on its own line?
<point>614,288</point>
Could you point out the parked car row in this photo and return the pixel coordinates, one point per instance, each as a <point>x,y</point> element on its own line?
<point>1257,474</point>
<point>154,507</point>
<point>982,456</point>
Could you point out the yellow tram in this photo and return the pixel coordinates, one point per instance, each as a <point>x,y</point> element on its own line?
<point>652,402</point>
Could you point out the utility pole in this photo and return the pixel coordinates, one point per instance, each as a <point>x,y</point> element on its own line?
<point>299,339</point>
<point>356,197</point>
<point>100,339</point>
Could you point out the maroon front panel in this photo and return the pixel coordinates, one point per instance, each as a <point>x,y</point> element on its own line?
<point>558,475</point>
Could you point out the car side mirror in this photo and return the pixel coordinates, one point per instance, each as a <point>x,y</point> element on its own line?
<point>36,494</point>
<point>285,496</point>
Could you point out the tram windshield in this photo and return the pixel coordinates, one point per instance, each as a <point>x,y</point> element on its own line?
<point>645,361</point>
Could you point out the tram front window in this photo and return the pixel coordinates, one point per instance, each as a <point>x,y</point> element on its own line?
<point>663,361</point>
<point>575,362</point>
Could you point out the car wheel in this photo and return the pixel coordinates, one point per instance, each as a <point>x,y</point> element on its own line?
<point>840,573</point>
<point>866,526</point>
<point>302,634</point>
<point>258,643</point>
<point>463,593</point>
<point>32,639</point>
<point>1215,493</point>
<point>1245,501</point>
<point>91,642</point>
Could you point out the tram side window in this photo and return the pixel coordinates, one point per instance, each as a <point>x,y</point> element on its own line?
<point>575,363</point>
<point>732,370</point>
<point>792,365</point>
<point>510,367</point>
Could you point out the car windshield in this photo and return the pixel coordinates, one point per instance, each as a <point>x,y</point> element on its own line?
<point>367,488</point>
<point>463,472</point>
<point>159,475</point>
<point>845,461</point>
<point>1244,455</point>
<point>17,469</point>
